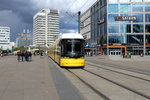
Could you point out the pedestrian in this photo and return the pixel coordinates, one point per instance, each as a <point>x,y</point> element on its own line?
<point>1,54</point>
<point>41,54</point>
<point>30,56</point>
<point>22,56</point>
<point>26,55</point>
<point>18,55</point>
<point>34,54</point>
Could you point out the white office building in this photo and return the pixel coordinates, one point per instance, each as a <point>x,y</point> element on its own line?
<point>85,28</point>
<point>45,27</point>
<point>5,38</point>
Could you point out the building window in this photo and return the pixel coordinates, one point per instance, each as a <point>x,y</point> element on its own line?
<point>125,8</point>
<point>137,0</point>
<point>115,39</point>
<point>113,1</point>
<point>139,18</point>
<point>147,7</point>
<point>125,28</point>
<point>137,7</point>
<point>138,39</point>
<point>111,18</point>
<point>112,8</point>
<point>113,28</point>
<point>138,28</point>
<point>147,28</point>
<point>147,0</point>
<point>124,1</point>
<point>148,39</point>
<point>147,17</point>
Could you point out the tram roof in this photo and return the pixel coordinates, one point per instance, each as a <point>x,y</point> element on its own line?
<point>71,36</point>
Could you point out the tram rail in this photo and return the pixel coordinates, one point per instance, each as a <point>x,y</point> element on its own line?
<point>118,84</point>
<point>90,86</point>
<point>122,67</point>
<point>119,72</point>
<point>109,80</point>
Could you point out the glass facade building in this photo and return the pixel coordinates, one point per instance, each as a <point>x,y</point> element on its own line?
<point>121,23</point>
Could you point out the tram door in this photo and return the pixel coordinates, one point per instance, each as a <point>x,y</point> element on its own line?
<point>114,52</point>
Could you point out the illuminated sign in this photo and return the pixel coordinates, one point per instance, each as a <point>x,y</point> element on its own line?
<point>125,18</point>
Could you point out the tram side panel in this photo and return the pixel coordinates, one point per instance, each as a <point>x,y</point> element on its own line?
<point>57,54</point>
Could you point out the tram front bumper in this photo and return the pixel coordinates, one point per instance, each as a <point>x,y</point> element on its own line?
<point>72,62</point>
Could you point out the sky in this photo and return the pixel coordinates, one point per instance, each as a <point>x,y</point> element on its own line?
<point>18,14</point>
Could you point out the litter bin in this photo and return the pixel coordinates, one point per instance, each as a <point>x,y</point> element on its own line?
<point>129,55</point>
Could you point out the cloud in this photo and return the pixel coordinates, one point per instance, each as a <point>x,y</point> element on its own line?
<point>21,8</point>
<point>18,14</point>
<point>10,19</point>
<point>64,5</point>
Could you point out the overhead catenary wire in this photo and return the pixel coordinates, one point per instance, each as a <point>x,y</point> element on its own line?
<point>73,16</point>
<point>71,5</point>
<point>67,12</point>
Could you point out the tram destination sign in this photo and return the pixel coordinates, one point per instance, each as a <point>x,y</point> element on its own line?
<point>125,18</point>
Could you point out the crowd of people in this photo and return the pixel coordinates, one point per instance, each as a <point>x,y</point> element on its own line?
<point>27,56</point>
<point>24,56</point>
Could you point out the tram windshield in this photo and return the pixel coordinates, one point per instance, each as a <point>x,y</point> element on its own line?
<point>73,48</point>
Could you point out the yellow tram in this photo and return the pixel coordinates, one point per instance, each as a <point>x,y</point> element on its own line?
<point>68,50</point>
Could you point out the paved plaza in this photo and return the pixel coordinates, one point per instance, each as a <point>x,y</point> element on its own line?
<point>142,63</point>
<point>39,80</point>
<point>26,80</point>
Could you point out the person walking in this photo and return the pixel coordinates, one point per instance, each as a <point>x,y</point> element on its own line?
<point>22,56</point>
<point>41,54</point>
<point>18,55</point>
<point>1,54</point>
<point>26,55</point>
<point>30,56</point>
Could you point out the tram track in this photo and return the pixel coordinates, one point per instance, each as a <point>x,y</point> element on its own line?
<point>90,86</point>
<point>109,80</point>
<point>77,73</point>
<point>119,72</point>
<point>118,84</point>
<point>122,67</point>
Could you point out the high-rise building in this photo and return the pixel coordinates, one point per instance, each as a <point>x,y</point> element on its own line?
<point>4,38</point>
<point>119,26</point>
<point>86,25</point>
<point>45,27</point>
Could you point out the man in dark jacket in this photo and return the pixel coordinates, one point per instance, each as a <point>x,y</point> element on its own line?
<point>22,55</point>
<point>26,55</point>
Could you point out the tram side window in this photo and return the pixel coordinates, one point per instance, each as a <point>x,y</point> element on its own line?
<point>62,49</point>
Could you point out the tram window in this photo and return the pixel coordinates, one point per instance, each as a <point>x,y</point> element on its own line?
<point>68,47</point>
<point>77,47</point>
<point>72,47</point>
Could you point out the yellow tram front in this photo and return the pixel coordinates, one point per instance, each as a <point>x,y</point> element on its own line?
<point>72,53</point>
